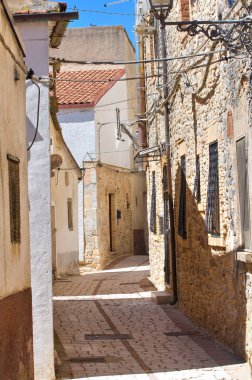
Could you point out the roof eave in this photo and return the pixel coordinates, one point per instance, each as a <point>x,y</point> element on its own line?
<point>40,17</point>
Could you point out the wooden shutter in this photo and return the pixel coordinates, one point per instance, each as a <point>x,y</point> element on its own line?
<point>153,221</point>
<point>14,199</point>
<point>182,201</point>
<point>243,184</point>
<point>213,212</point>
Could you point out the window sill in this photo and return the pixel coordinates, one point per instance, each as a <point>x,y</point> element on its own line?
<point>244,256</point>
<point>216,241</point>
<point>201,207</point>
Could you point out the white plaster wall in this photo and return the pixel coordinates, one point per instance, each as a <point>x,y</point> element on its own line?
<point>67,241</point>
<point>35,36</point>
<point>113,151</point>
<point>79,134</point>
<point>14,259</point>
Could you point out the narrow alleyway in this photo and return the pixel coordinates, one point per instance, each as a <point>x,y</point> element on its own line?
<point>107,327</point>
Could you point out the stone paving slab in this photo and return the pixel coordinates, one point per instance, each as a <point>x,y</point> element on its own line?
<point>112,303</point>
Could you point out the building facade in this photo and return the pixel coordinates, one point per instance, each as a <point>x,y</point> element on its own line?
<point>65,176</point>
<point>16,335</point>
<point>209,103</point>
<point>89,119</point>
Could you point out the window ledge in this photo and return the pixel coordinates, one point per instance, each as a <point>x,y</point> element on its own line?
<point>245,256</point>
<point>216,241</point>
<point>201,207</point>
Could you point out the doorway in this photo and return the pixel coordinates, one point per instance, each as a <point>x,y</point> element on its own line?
<point>112,223</point>
<point>166,226</point>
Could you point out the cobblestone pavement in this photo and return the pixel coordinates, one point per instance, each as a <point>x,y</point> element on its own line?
<point>107,327</point>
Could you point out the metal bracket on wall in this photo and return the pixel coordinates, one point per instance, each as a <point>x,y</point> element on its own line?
<point>236,37</point>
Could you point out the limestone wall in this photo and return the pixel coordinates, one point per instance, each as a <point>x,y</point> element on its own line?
<point>214,286</point>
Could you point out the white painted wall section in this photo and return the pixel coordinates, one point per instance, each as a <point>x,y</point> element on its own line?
<point>35,37</point>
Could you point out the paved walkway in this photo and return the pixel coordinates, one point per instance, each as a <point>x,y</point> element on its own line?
<point>107,327</point>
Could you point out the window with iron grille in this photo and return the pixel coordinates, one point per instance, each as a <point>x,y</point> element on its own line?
<point>212,212</point>
<point>196,190</point>
<point>182,231</point>
<point>153,219</point>
<point>70,214</point>
<point>14,199</point>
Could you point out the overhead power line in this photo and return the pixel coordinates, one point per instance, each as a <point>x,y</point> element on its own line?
<point>102,12</point>
<point>63,60</point>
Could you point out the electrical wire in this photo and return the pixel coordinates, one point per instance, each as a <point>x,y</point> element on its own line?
<point>63,60</point>
<point>102,12</point>
<point>38,111</point>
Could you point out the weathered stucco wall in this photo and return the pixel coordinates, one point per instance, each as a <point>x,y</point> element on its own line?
<point>16,352</point>
<point>35,36</point>
<point>64,186</point>
<point>214,286</point>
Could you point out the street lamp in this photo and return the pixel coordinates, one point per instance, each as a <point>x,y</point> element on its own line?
<point>161,9</point>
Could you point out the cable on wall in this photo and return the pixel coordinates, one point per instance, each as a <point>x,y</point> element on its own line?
<point>30,76</point>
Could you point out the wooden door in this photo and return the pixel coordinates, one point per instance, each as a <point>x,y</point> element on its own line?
<point>112,222</point>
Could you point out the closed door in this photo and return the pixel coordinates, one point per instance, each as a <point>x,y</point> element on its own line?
<point>112,222</point>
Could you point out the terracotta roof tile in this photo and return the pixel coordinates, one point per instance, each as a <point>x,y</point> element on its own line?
<point>85,93</point>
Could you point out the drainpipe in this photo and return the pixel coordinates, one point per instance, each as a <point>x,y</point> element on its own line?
<point>168,157</point>
<point>141,95</point>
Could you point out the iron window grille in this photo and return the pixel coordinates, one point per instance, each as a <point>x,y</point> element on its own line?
<point>212,212</point>
<point>196,190</point>
<point>182,230</point>
<point>14,199</point>
<point>153,219</point>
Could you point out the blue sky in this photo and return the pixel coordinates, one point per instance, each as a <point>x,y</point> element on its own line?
<point>88,18</point>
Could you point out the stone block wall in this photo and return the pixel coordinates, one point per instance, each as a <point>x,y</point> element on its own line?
<point>112,180</point>
<point>214,287</point>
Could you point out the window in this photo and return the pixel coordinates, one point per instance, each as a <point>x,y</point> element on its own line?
<point>14,199</point>
<point>212,212</point>
<point>153,221</point>
<point>127,201</point>
<point>185,10</point>
<point>182,201</point>
<point>196,191</point>
<point>70,214</point>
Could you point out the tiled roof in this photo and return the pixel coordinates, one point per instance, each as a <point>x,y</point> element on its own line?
<point>85,93</point>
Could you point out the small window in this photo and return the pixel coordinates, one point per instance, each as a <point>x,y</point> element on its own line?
<point>153,219</point>
<point>182,201</point>
<point>185,10</point>
<point>127,201</point>
<point>70,214</point>
<point>196,191</point>
<point>14,199</point>
<point>212,212</point>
